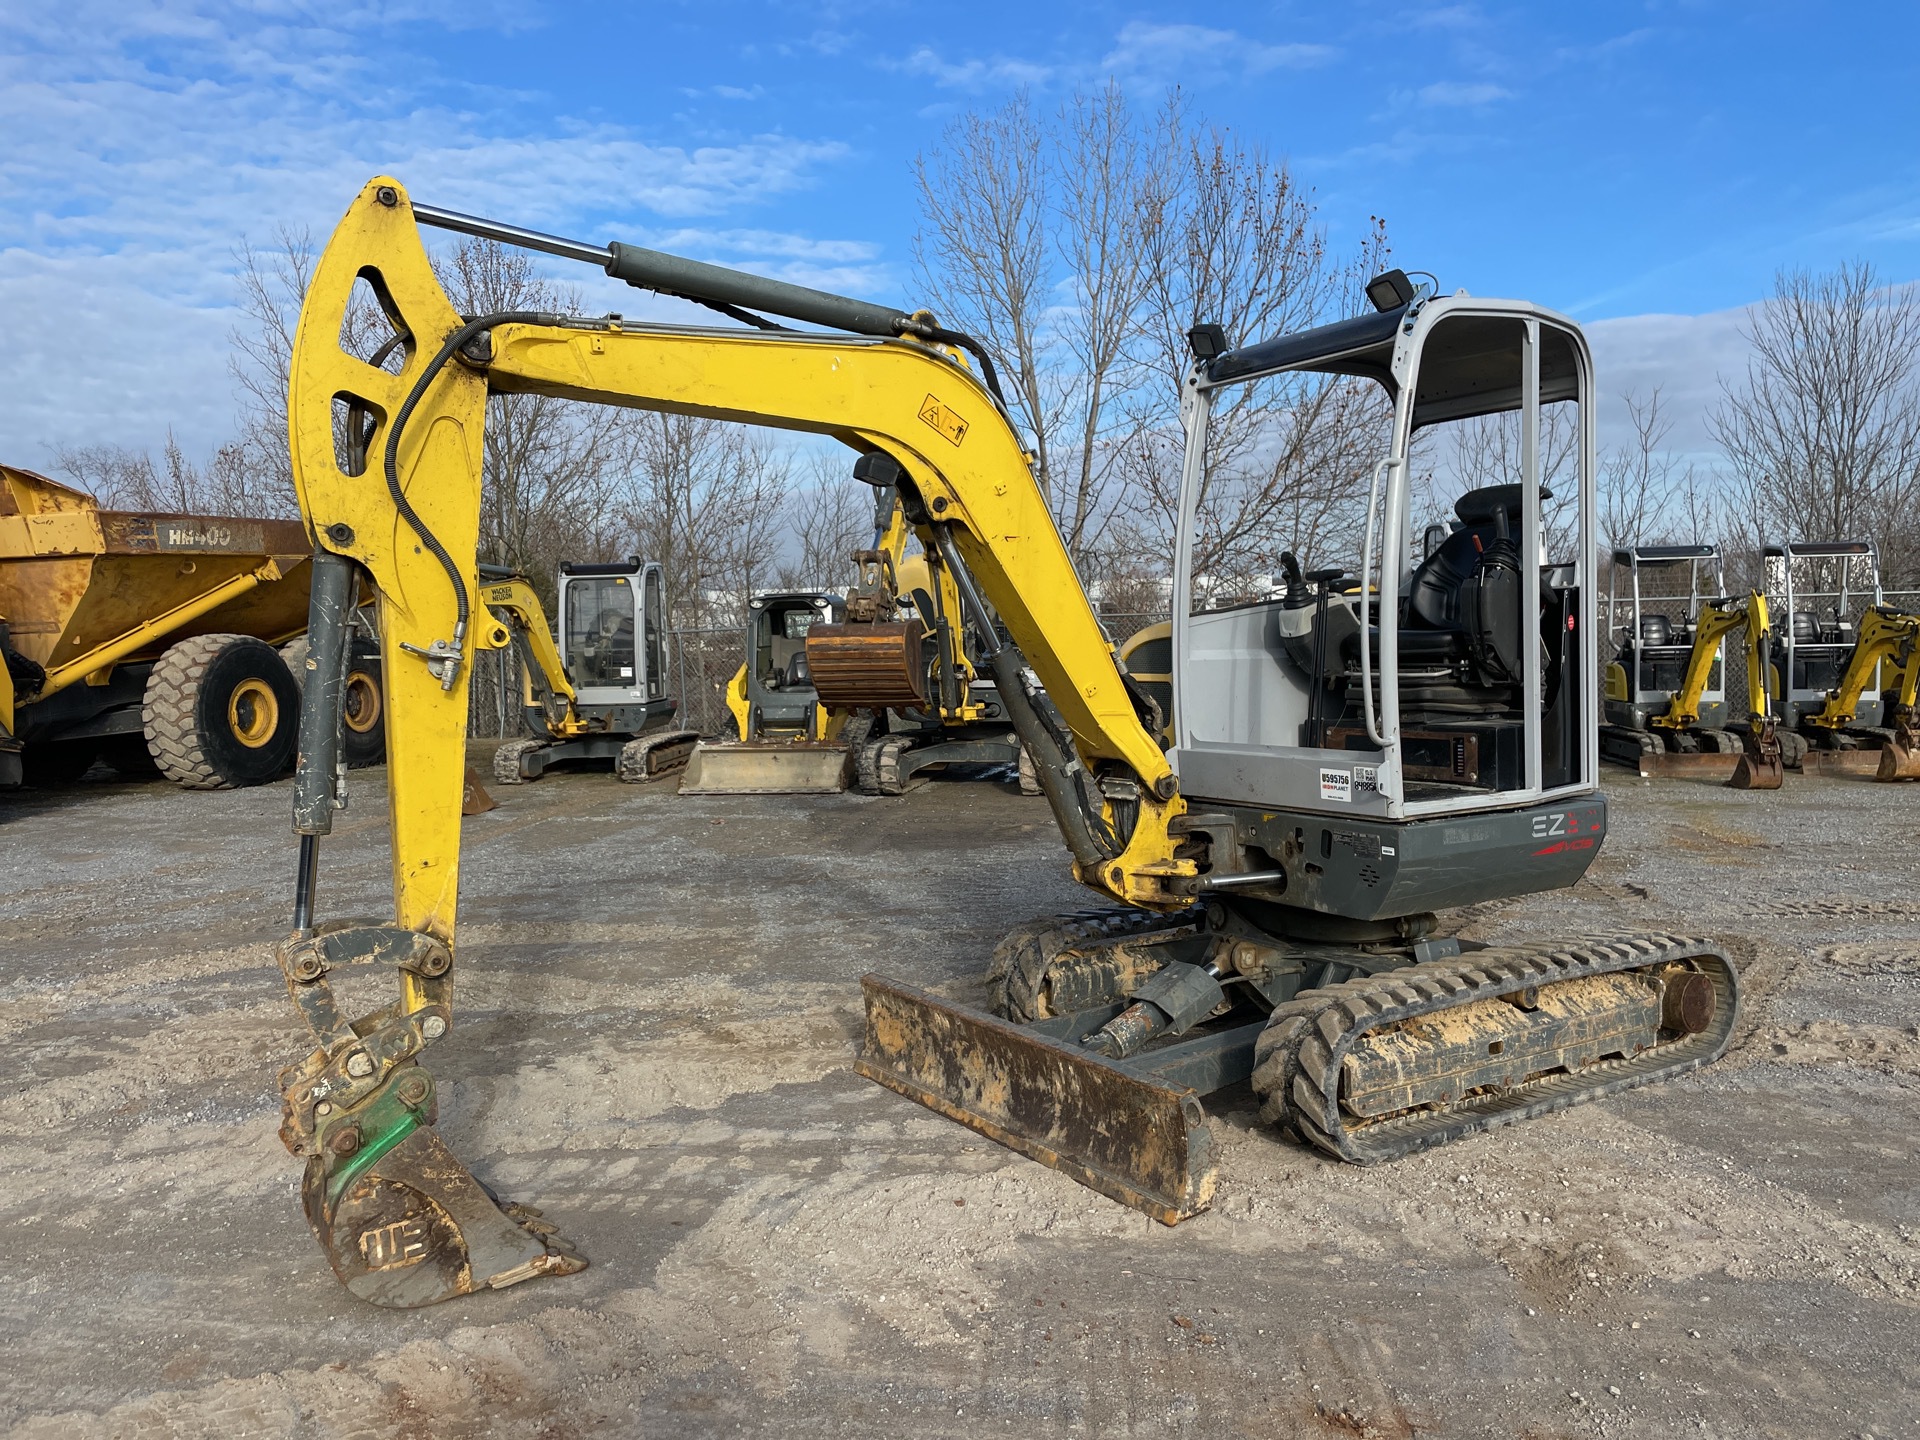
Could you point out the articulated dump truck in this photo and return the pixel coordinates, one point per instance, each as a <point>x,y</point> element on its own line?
<point>149,641</point>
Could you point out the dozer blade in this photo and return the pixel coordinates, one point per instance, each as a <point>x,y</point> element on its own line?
<point>1840,763</point>
<point>403,1222</point>
<point>766,768</point>
<point>1716,768</point>
<point>1137,1139</point>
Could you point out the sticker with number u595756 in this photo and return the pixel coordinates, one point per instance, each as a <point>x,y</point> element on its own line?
<point>1337,785</point>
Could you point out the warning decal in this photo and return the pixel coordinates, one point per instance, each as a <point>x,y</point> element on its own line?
<point>943,419</point>
<point>1337,785</point>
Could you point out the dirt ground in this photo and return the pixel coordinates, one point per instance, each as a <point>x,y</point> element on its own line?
<point>659,1007</point>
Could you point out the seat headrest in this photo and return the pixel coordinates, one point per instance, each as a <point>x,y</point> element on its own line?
<point>1654,629</point>
<point>1478,507</point>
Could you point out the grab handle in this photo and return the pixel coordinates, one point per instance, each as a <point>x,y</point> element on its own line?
<point>1368,588</point>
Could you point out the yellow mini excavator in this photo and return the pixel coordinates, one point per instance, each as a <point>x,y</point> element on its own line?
<point>606,697</point>
<point>877,689</point>
<point>1344,764</point>
<point>1845,689</point>
<point>1664,708</point>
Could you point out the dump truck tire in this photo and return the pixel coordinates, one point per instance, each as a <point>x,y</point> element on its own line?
<point>363,735</point>
<point>221,712</point>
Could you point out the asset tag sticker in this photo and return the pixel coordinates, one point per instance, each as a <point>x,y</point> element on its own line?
<point>1366,780</point>
<point>1337,785</point>
<point>943,419</point>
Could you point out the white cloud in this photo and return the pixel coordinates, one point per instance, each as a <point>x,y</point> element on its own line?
<point>1178,50</point>
<point>975,74</point>
<point>1457,93</point>
<point>1685,356</point>
<point>144,142</point>
<point>1141,51</point>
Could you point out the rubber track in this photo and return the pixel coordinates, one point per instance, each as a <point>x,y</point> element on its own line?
<point>506,760</point>
<point>877,766</point>
<point>1021,959</point>
<point>1297,1063</point>
<point>654,757</point>
<point>166,712</point>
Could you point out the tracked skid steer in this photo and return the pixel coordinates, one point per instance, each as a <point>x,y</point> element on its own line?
<point>787,742</point>
<point>1399,735</point>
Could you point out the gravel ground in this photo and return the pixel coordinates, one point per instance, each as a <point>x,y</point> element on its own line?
<point>658,1010</point>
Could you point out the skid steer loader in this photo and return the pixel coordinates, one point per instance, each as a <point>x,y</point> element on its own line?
<point>600,694</point>
<point>787,742</point>
<point>1345,764</point>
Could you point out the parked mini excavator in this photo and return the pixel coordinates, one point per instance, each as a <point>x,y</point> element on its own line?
<point>1273,895</point>
<point>606,697</point>
<point>1665,709</point>
<point>878,690</point>
<point>1845,688</point>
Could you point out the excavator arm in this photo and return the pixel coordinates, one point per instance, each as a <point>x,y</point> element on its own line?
<point>1716,620</point>
<point>549,687</point>
<point>387,464</point>
<point>1885,635</point>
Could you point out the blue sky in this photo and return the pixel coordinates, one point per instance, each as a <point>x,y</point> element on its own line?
<point>1645,167</point>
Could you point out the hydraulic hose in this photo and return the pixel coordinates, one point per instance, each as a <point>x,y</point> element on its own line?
<point>391,458</point>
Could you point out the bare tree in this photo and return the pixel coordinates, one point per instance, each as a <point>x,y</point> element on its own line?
<point>1036,241</point>
<point>1823,434</point>
<point>1648,495</point>
<point>830,518</point>
<point>704,498</point>
<point>123,478</point>
<point>1235,241</point>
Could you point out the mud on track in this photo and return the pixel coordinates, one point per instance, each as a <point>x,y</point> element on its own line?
<point>658,1004</point>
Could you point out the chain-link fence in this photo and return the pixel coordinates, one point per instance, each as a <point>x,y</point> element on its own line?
<point>699,665</point>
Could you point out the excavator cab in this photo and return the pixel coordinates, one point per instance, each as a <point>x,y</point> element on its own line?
<point>1394,678</point>
<point>612,638</point>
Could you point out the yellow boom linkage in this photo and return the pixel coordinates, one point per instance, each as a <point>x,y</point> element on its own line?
<point>402,1220</point>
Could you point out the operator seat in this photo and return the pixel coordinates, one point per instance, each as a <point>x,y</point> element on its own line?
<point>1464,599</point>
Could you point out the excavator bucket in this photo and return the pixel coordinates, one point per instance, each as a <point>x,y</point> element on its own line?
<point>1762,762</point>
<point>1900,756</point>
<point>1136,1135</point>
<point>766,767</point>
<point>1834,764</point>
<point>403,1222</point>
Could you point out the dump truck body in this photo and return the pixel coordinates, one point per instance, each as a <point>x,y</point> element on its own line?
<point>95,599</point>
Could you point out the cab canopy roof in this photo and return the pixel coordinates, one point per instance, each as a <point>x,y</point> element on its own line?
<point>1649,556</point>
<point>1469,365</point>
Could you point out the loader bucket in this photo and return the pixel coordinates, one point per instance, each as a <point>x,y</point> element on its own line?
<point>766,767</point>
<point>1134,1137</point>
